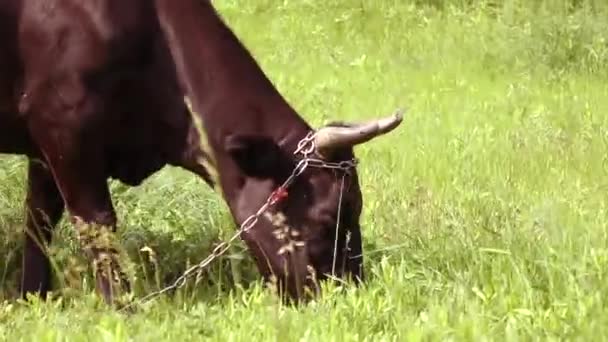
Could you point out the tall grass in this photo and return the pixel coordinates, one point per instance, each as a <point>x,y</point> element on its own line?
<point>485,213</point>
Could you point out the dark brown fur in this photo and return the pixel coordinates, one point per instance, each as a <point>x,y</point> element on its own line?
<point>94,89</point>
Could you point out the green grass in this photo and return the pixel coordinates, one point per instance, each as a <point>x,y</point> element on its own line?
<point>485,213</point>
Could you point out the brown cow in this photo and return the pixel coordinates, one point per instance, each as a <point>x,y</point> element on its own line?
<point>91,90</point>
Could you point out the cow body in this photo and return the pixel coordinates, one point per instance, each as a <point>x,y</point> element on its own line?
<point>87,92</point>
<point>95,89</point>
<point>13,137</point>
<point>98,77</point>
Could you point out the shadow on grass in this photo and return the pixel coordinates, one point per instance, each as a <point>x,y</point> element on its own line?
<point>163,259</point>
<point>163,230</point>
<point>155,259</point>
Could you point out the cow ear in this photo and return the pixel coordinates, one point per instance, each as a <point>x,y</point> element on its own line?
<point>257,156</point>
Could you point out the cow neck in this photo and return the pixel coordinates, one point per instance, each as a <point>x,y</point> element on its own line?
<point>222,79</point>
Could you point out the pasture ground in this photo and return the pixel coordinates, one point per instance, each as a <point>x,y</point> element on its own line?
<point>485,213</point>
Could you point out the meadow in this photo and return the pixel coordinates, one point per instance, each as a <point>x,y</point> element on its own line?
<point>486,211</point>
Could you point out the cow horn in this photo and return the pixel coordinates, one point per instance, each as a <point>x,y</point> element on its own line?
<point>331,137</point>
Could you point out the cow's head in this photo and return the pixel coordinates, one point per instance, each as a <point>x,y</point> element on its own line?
<point>312,232</point>
<point>252,133</point>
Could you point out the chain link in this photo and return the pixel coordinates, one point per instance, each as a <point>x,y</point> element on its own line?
<point>305,147</point>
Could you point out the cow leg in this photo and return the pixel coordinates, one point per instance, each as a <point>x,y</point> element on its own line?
<point>79,175</point>
<point>44,207</point>
<point>67,131</point>
<point>93,216</point>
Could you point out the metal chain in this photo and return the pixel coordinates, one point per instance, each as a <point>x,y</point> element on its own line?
<point>306,147</point>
